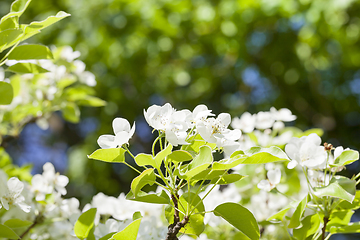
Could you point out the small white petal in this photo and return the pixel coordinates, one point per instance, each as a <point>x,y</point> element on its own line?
<point>264,185</point>
<point>107,141</point>
<point>120,124</point>
<point>274,176</point>
<point>292,164</point>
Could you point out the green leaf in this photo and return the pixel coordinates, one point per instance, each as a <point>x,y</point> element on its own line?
<point>296,217</point>
<point>341,217</point>
<point>91,101</point>
<point>146,177</point>
<point>351,228</point>
<point>199,163</point>
<point>258,155</point>
<point>279,216</point>
<point>310,225</point>
<point>35,27</point>
<point>9,23</point>
<point>129,233</point>
<point>255,155</point>
<point>85,223</point>
<point>157,198</point>
<point>26,68</point>
<point>196,142</point>
<point>179,156</point>
<point>339,187</point>
<point>208,174</point>
<point>109,155</point>
<point>240,217</point>
<point>227,179</point>
<point>354,205</point>
<point>17,9</point>
<point>6,93</point>
<point>345,158</point>
<point>196,225</point>
<point>71,112</point>
<point>229,163</point>
<point>160,156</point>
<point>30,51</point>
<point>143,159</point>
<point>107,236</point>
<point>8,37</point>
<point>17,223</point>
<point>136,215</point>
<point>6,232</point>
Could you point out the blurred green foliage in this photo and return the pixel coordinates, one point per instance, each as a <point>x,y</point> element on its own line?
<point>234,56</point>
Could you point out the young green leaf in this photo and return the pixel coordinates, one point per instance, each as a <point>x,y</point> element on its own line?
<point>6,93</point>
<point>179,156</point>
<point>16,10</point>
<point>129,233</point>
<point>160,156</point>
<point>22,68</point>
<point>338,218</point>
<point>309,226</point>
<point>109,155</point>
<point>157,198</point>
<point>240,217</point>
<point>30,51</point>
<point>199,163</point>
<point>8,38</point>
<point>35,27</point>
<point>143,159</point>
<point>85,223</point>
<point>227,179</point>
<point>351,228</point>
<point>339,187</point>
<point>71,112</point>
<point>7,233</point>
<point>146,177</point>
<point>9,23</point>
<point>259,155</point>
<point>296,217</point>
<point>229,163</point>
<point>17,223</point>
<point>345,158</point>
<point>279,216</point>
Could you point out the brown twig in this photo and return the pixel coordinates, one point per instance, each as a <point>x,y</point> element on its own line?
<point>326,220</point>
<point>38,219</point>
<point>174,228</point>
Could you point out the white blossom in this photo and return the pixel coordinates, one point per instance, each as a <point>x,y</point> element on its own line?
<point>54,179</point>
<point>200,113</point>
<point>212,129</point>
<point>170,121</point>
<point>264,120</point>
<point>306,151</point>
<point>122,132</point>
<point>245,123</point>
<point>282,114</point>
<point>11,195</point>
<point>274,177</point>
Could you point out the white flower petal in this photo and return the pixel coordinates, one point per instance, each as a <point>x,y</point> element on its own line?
<point>107,141</point>
<point>274,176</point>
<point>224,118</point>
<point>15,186</point>
<point>264,185</point>
<point>120,124</point>
<point>292,164</point>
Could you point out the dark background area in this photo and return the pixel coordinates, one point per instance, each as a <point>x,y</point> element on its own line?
<point>233,56</point>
